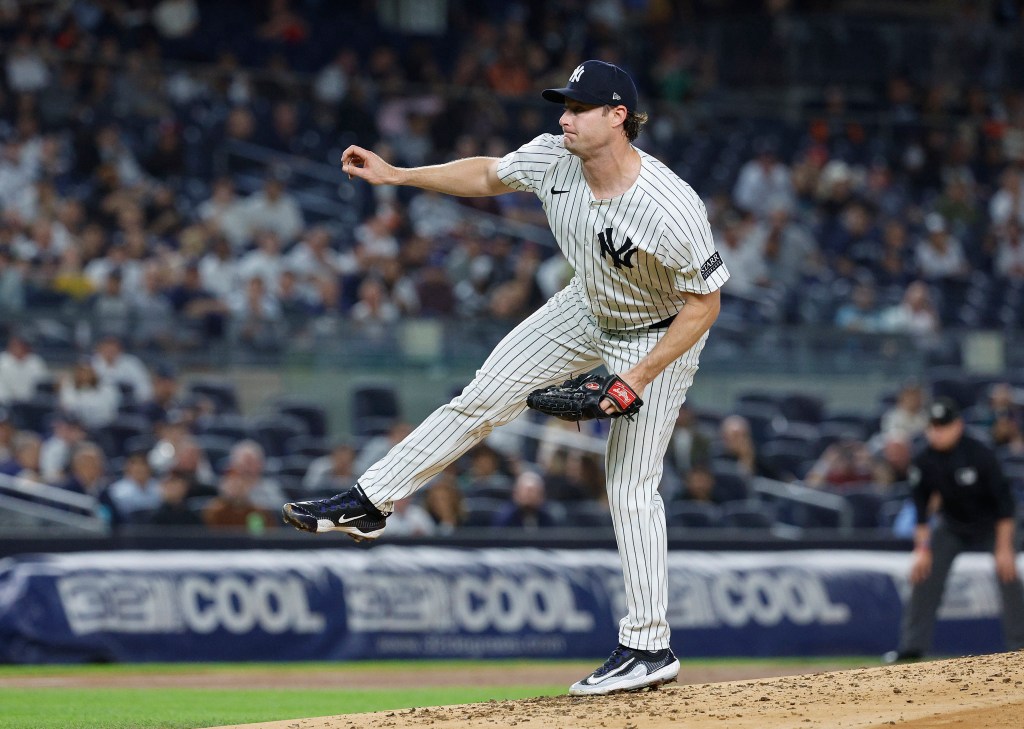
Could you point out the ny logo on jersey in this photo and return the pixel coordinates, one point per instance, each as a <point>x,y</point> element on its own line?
<point>620,256</point>
<point>575,78</point>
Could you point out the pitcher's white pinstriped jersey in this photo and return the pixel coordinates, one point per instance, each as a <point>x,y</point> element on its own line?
<point>632,254</point>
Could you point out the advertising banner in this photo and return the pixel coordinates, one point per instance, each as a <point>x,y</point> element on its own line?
<point>421,602</point>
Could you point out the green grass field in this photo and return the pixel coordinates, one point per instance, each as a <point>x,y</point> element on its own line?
<point>185,708</point>
<point>65,707</point>
<point>175,708</point>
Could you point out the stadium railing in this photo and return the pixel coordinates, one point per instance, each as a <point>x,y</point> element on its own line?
<point>31,504</point>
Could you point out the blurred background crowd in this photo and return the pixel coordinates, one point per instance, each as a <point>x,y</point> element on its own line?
<point>169,189</point>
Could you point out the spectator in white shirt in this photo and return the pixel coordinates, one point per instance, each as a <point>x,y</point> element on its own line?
<point>21,370</point>
<point>908,415</point>
<point>92,401</point>
<point>940,255</point>
<point>176,18</point>
<point>265,261</point>
<point>374,310</point>
<point>26,70</point>
<point>98,270</point>
<point>17,172</point>
<point>154,316</point>
<point>914,315</point>
<point>1009,261</point>
<point>225,212</point>
<point>55,455</point>
<point>136,490</point>
<point>273,209</point>
<point>763,181</point>
<point>1008,202</point>
<point>313,256</point>
<point>330,86</point>
<point>118,367</point>
<point>742,253</point>
<point>256,317</point>
<point>218,271</point>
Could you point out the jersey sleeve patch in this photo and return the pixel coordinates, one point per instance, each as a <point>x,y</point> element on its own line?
<point>710,266</point>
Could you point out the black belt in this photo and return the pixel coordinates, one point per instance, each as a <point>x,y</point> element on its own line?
<point>663,323</point>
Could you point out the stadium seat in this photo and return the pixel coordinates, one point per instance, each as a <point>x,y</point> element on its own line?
<point>802,408</point>
<point>748,515</point>
<point>374,410</point>
<point>759,397</point>
<point>221,393</point>
<point>227,425</point>
<point>275,431</point>
<point>294,465</point>
<point>709,421</point>
<point>787,460</point>
<point>291,486</point>
<point>867,508</point>
<point>307,445</point>
<point>34,414</point>
<point>586,514</point>
<point>123,428</point>
<point>481,510</point>
<point>313,415</point>
<point>829,431</point>
<point>807,516</point>
<point>730,484</point>
<point>693,515</point>
<point>217,448</point>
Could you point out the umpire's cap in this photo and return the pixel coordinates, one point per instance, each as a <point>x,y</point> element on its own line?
<point>597,83</point>
<point>943,411</point>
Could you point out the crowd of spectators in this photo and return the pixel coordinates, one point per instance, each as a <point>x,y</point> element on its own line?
<point>117,212</point>
<point>892,209</point>
<point>151,447</point>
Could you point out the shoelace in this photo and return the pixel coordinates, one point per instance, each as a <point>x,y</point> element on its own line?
<point>619,656</point>
<point>342,501</point>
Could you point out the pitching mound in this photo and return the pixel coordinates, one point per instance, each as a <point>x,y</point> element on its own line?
<point>978,692</point>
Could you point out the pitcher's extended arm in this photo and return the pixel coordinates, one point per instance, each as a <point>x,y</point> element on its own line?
<point>469,177</point>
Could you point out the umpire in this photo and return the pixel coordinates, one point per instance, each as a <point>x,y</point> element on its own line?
<point>976,511</point>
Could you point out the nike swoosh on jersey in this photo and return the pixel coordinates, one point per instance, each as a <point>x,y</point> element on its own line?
<point>557,192</point>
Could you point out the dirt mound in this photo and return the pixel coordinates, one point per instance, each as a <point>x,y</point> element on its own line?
<point>356,676</point>
<point>980,692</point>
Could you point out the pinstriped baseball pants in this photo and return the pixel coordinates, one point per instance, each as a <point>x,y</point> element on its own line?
<point>559,340</point>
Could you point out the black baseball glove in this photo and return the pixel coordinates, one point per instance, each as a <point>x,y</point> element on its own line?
<point>580,398</point>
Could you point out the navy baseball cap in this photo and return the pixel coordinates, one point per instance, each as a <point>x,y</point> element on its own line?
<point>597,83</point>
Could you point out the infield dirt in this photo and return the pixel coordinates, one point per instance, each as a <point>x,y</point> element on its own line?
<point>977,692</point>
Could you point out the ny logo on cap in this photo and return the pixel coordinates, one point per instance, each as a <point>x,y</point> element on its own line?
<point>575,78</point>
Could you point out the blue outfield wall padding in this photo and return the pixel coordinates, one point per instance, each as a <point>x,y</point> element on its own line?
<point>427,602</point>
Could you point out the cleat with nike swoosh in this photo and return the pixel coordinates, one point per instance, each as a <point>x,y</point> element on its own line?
<point>349,512</point>
<point>629,669</point>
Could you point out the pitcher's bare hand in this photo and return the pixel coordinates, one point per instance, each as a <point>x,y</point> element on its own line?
<point>367,165</point>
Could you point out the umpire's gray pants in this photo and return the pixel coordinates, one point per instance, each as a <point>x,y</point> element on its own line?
<point>919,615</point>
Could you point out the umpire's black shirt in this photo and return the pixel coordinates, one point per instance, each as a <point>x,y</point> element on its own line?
<point>974,492</point>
